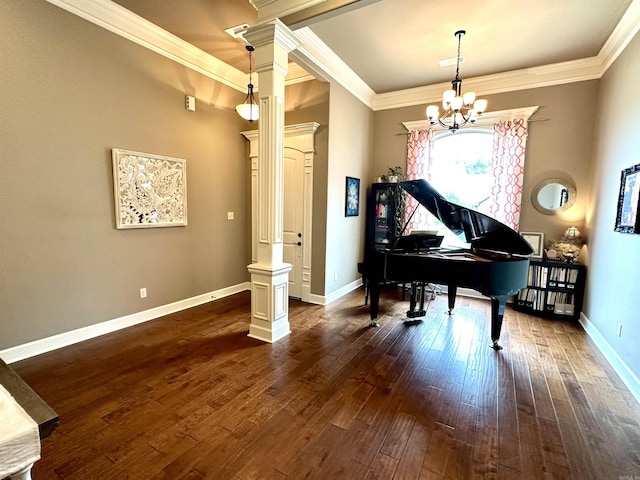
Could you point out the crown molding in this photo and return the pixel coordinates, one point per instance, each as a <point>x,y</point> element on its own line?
<point>125,23</point>
<point>317,61</point>
<point>117,19</point>
<point>316,55</point>
<point>626,29</point>
<point>274,32</point>
<point>297,74</point>
<point>555,74</point>
<point>271,9</point>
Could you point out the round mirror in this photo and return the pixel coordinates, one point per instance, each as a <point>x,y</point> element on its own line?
<point>553,196</point>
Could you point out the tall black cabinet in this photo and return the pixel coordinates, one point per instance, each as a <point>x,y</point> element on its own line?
<point>384,215</point>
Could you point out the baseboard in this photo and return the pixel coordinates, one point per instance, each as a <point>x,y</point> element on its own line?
<point>44,345</point>
<point>336,294</point>
<point>317,299</point>
<point>628,377</point>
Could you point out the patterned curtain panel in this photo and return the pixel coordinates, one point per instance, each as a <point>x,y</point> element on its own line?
<point>509,142</point>
<point>419,161</point>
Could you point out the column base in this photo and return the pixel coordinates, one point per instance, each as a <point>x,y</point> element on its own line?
<point>269,301</point>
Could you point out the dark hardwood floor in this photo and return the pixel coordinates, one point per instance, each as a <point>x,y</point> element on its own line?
<point>190,396</point>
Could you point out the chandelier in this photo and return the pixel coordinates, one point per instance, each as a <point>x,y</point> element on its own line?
<point>459,109</point>
<point>249,109</point>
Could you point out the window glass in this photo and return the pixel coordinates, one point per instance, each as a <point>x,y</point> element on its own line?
<point>461,172</point>
<point>461,169</point>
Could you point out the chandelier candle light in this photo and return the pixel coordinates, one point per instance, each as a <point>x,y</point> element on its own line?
<point>249,109</point>
<point>459,109</point>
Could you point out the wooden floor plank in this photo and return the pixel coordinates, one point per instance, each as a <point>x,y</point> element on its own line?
<point>191,396</point>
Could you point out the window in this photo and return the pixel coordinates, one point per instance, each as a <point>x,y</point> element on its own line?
<point>461,171</point>
<point>461,168</point>
<point>494,150</point>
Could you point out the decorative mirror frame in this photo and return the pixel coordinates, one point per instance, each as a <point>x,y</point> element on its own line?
<point>571,189</point>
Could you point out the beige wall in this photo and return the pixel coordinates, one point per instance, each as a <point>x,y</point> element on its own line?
<point>70,92</point>
<point>614,275</point>
<point>309,102</point>
<point>350,139</point>
<point>558,145</point>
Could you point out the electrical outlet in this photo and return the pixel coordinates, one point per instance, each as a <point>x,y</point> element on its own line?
<point>143,293</point>
<point>335,277</point>
<point>230,215</point>
<point>619,330</point>
<point>190,103</point>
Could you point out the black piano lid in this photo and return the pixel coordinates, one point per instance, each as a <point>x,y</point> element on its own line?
<point>480,230</point>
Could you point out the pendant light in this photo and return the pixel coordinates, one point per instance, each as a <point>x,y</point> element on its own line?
<point>249,109</point>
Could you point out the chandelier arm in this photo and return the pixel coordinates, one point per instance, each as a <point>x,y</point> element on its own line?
<point>446,114</point>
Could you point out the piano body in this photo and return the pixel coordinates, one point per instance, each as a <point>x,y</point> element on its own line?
<point>496,264</point>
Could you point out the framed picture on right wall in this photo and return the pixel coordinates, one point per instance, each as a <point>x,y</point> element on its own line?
<point>627,220</point>
<point>536,240</point>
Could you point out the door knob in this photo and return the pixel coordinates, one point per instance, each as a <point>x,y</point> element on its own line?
<point>296,243</point>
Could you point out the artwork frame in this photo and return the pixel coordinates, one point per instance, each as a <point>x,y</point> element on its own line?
<point>149,190</point>
<point>352,197</point>
<point>627,218</point>
<point>536,240</point>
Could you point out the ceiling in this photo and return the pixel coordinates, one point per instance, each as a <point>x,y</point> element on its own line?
<point>392,45</point>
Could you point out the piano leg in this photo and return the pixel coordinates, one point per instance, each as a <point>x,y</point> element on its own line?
<point>374,294</point>
<point>497,313</point>
<point>451,296</point>
<point>365,282</point>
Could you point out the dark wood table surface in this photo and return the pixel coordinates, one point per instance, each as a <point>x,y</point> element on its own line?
<point>30,401</point>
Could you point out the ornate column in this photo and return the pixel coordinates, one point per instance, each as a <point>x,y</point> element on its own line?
<point>270,275</point>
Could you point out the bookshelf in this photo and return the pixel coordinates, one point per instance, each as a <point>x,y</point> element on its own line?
<point>554,289</point>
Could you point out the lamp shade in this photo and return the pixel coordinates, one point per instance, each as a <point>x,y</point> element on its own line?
<point>248,111</point>
<point>573,236</point>
<point>456,104</point>
<point>480,106</point>
<point>433,112</point>
<point>469,98</point>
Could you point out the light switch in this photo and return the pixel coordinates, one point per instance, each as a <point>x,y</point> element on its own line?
<point>230,215</point>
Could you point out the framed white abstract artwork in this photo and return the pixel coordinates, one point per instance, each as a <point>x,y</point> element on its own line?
<point>150,190</point>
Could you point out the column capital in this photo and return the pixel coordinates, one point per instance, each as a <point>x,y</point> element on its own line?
<point>272,32</point>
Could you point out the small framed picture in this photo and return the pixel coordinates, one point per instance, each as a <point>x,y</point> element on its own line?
<point>352,197</point>
<point>536,240</point>
<point>628,201</point>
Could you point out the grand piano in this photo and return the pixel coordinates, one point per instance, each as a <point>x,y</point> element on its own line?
<point>495,264</point>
